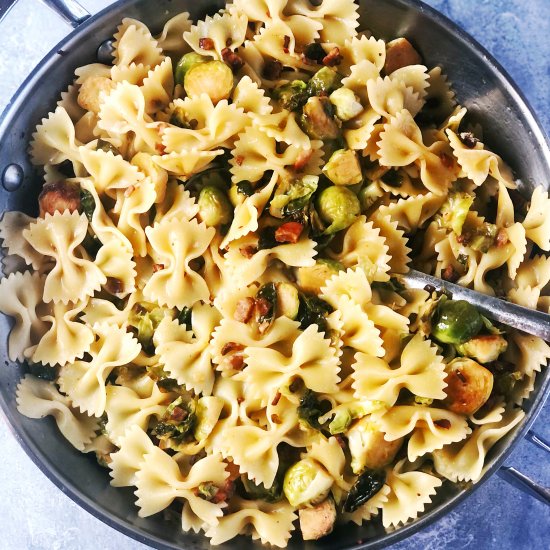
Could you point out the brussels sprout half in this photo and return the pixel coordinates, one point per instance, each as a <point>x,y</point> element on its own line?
<point>306,482</point>
<point>338,207</point>
<point>455,322</point>
<point>214,206</point>
<point>213,78</point>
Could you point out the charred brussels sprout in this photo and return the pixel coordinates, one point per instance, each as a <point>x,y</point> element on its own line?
<point>485,348</point>
<point>346,103</point>
<point>213,78</point>
<point>291,96</point>
<point>324,81</point>
<point>294,198</point>
<point>214,206</point>
<point>343,168</point>
<point>366,486</point>
<point>309,409</point>
<point>177,423</point>
<point>454,211</point>
<point>87,204</point>
<point>313,311</point>
<point>455,322</point>
<point>318,120</point>
<point>306,482</point>
<point>338,207</point>
<point>239,192</point>
<point>185,64</point>
<point>145,317</point>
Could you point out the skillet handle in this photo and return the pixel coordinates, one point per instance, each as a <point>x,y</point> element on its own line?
<point>521,481</point>
<point>69,10</point>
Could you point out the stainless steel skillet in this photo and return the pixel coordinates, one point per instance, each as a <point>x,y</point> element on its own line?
<point>478,84</point>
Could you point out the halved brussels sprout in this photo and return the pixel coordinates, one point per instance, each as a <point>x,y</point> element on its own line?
<point>208,411</point>
<point>185,64</point>
<point>346,103</point>
<point>318,120</point>
<point>485,348</point>
<point>338,207</point>
<point>306,482</point>
<point>288,300</point>
<point>291,96</point>
<point>324,81</point>
<point>452,214</point>
<point>145,317</point>
<point>343,168</point>
<point>213,78</point>
<point>294,198</point>
<point>214,206</point>
<point>455,322</point>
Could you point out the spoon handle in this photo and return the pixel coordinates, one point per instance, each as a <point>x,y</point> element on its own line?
<point>518,317</point>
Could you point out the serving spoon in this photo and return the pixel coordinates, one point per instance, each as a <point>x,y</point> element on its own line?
<point>522,318</point>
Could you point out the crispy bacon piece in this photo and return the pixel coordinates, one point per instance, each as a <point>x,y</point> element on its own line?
<point>443,423</point>
<point>333,58</point>
<point>234,61</point>
<point>450,274</point>
<point>302,160</point>
<point>236,362</point>
<point>400,53</point>
<point>231,346</point>
<point>248,251</point>
<point>206,44</point>
<point>289,232</point>
<point>114,285</point>
<point>502,238</point>
<point>58,197</point>
<point>244,309</point>
<point>158,267</point>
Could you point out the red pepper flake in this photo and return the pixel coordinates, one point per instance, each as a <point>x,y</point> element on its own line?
<point>158,267</point>
<point>272,70</point>
<point>302,160</point>
<point>248,251</point>
<point>276,419</point>
<point>244,309</point>
<point>450,274</point>
<point>232,59</point>
<point>206,44</point>
<point>231,346</point>
<point>276,399</point>
<point>286,44</point>
<point>443,423</point>
<point>289,232</point>
<point>160,148</point>
<point>239,160</point>
<point>333,58</point>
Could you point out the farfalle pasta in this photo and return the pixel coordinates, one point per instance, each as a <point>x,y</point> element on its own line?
<point>211,299</point>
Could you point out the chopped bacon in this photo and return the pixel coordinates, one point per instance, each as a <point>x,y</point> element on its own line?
<point>289,232</point>
<point>231,346</point>
<point>206,44</point>
<point>443,423</point>
<point>502,238</point>
<point>58,197</point>
<point>227,490</point>
<point>114,285</point>
<point>240,400</point>
<point>302,160</point>
<point>232,59</point>
<point>248,251</point>
<point>160,148</point>
<point>286,44</point>
<point>333,58</point>
<point>236,362</point>
<point>179,414</point>
<point>450,274</point>
<point>239,160</point>
<point>158,267</point>
<point>244,309</point>
<point>400,53</point>
<point>262,307</point>
<point>276,419</point>
<point>276,399</point>
<point>272,70</point>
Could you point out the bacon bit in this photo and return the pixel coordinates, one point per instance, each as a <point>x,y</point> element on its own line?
<point>276,419</point>
<point>240,400</point>
<point>262,307</point>
<point>158,267</point>
<point>231,346</point>
<point>228,42</point>
<point>276,399</point>
<point>226,491</point>
<point>233,469</point>
<point>447,160</point>
<point>450,274</point>
<point>468,139</point>
<point>114,286</point>
<point>160,148</point>
<point>302,160</point>
<point>272,70</point>
<point>289,232</point>
<point>239,160</point>
<point>244,309</point>
<point>286,44</point>
<point>443,423</point>
<point>295,385</point>
<point>196,264</point>
<point>206,44</point>
<point>502,238</point>
<point>179,414</point>
<point>236,362</point>
<point>232,59</point>
<point>248,251</point>
<point>333,58</point>
<point>129,190</point>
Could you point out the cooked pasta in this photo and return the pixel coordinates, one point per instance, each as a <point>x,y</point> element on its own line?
<point>210,298</point>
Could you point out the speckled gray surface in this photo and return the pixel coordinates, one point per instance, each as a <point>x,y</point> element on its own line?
<point>36,515</point>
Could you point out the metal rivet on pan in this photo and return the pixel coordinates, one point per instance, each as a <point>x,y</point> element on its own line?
<point>105,52</point>
<point>12,177</point>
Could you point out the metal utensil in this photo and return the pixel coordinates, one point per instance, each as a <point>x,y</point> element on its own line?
<point>519,317</point>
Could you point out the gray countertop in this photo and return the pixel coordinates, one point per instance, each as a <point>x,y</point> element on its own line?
<point>36,515</point>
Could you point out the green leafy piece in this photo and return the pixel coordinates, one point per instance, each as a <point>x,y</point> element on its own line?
<point>87,204</point>
<point>295,198</point>
<point>318,119</point>
<point>452,214</point>
<point>344,415</point>
<point>346,103</point>
<point>267,238</point>
<point>292,96</point>
<point>185,64</point>
<point>177,423</point>
<point>145,317</point>
<point>393,178</point>
<point>343,168</point>
<point>484,238</point>
<point>207,491</point>
<point>214,206</point>
<point>44,372</point>
<point>274,493</point>
<point>366,486</point>
<point>455,322</point>
<point>338,207</point>
<point>103,145</point>
<point>309,409</point>
<point>163,380</point>
<point>185,318</point>
<point>306,482</point>
<point>313,311</point>
<point>324,82</point>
